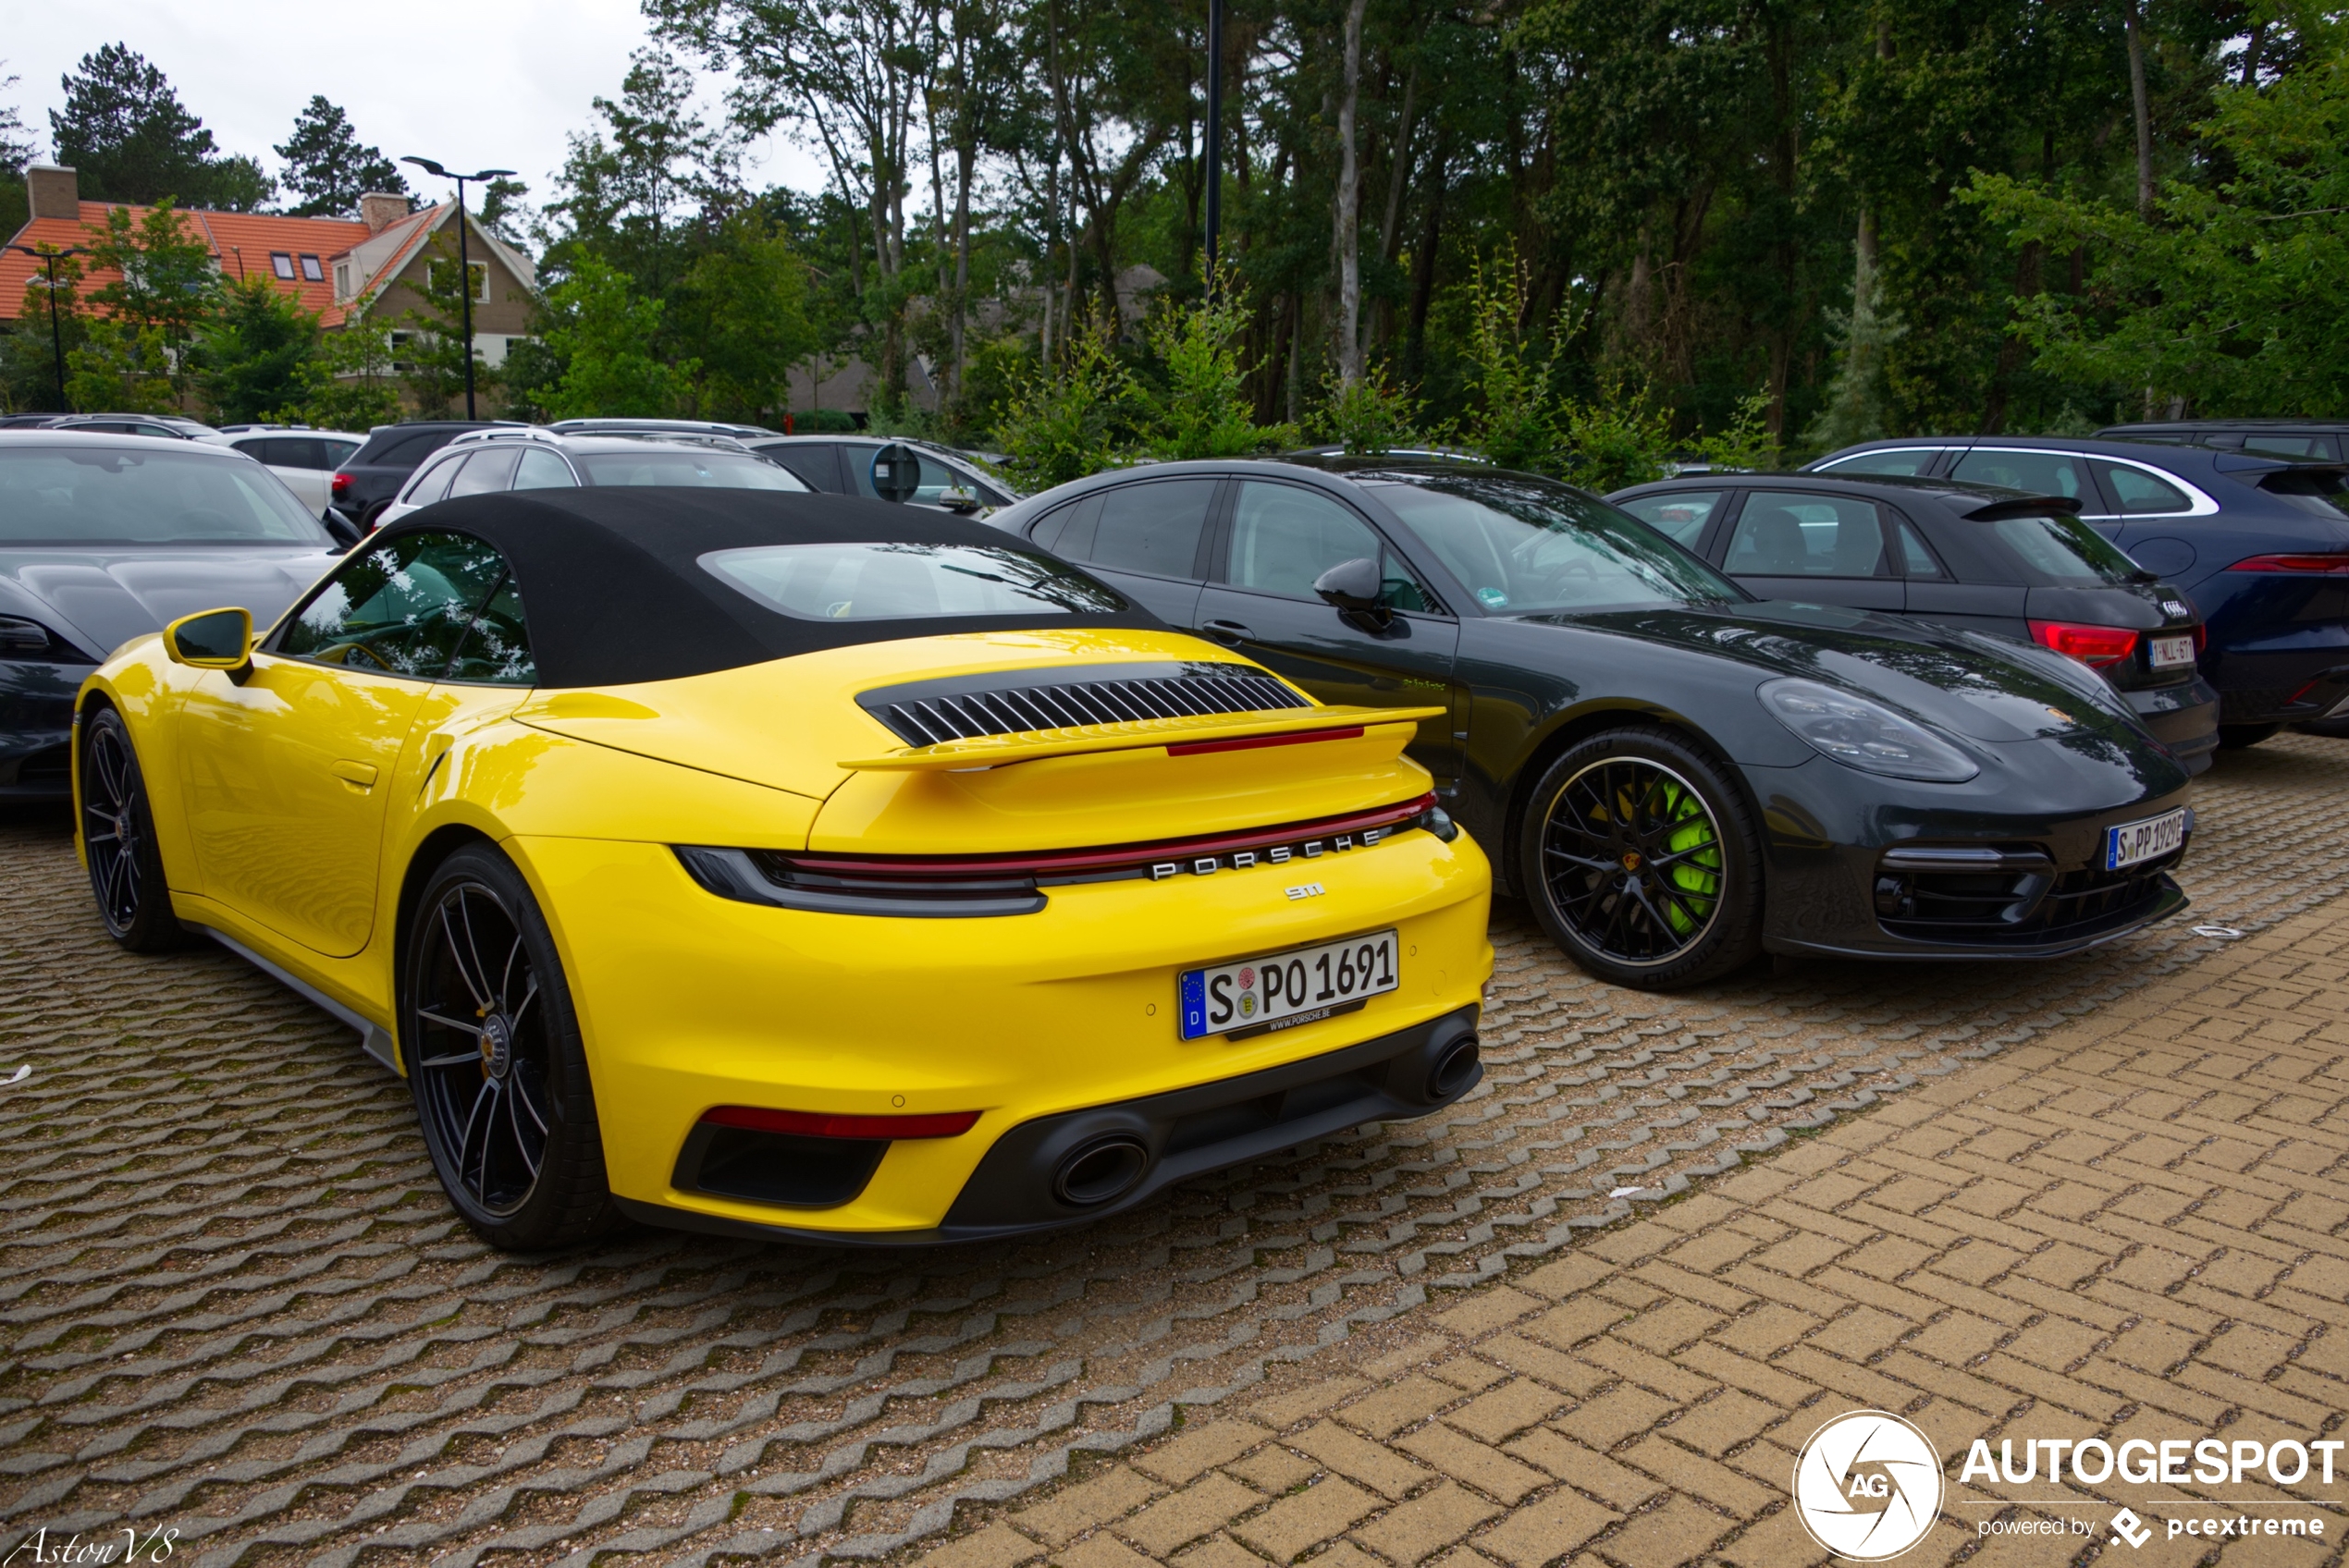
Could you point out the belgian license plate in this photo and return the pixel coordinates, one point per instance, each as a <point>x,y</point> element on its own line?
<point>2149,839</point>
<point>1282,990</point>
<point>2168,652</point>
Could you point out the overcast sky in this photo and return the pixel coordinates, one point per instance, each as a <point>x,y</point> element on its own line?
<point>469,83</point>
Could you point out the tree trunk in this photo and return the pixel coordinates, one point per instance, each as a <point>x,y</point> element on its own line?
<point>2139,108</point>
<point>1349,208</point>
<point>964,156</point>
<point>1423,265</point>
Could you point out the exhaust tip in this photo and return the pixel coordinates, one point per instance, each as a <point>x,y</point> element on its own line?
<point>1455,1069</point>
<point>1102,1169</point>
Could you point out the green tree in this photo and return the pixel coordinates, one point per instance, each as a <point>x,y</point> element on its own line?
<point>251,355</point>
<point>1073,419</point>
<point>124,130</point>
<point>121,367</point>
<point>349,384</point>
<point>2233,296</point>
<point>328,168</point>
<point>1205,412</point>
<point>739,315</point>
<point>15,151</point>
<point>29,369</point>
<point>145,316</point>
<point>602,330</point>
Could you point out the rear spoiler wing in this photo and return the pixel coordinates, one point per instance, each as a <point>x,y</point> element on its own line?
<point>1178,736</point>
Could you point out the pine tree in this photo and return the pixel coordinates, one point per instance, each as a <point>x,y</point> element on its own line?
<point>326,166</point>
<point>126,131</point>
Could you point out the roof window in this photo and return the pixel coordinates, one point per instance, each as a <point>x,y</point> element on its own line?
<point>281,263</point>
<point>310,271</point>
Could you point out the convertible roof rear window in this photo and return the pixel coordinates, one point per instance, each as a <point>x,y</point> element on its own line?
<point>875,580</point>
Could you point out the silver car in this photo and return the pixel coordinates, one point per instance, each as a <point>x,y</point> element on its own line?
<point>106,537</point>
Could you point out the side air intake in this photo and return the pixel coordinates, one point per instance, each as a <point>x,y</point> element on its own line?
<point>925,713</point>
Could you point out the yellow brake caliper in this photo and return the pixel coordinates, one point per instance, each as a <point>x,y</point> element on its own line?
<point>1698,876</point>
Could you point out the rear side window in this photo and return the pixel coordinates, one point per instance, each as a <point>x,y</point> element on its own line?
<point>486,473</point>
<point>2134,490</point>
<point>2041,473</point>
<point>543,470</point>
<point>434,483</point>
<point>1905,460</point>
<point>1786,534</point>
<point>2061,549</point>
<point>818,464</point>
<point>2281,446</point>
<point>1154,529</point>
<point>1678,515</point>
<point>404,452</point>
<point>1917,558</point>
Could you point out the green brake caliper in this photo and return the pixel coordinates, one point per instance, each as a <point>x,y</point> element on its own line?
<point>1698,876</point>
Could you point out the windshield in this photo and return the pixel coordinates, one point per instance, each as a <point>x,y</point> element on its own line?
<point>716,471</point>
<point>2061,548</point>
<point>106,495</point>
<point>1526,547</point>
<point>899,581</point>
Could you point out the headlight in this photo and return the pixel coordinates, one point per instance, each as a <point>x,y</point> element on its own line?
<point>1865,735</point>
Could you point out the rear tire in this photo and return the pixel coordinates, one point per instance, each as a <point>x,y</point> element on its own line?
<point>2237,737</point>
<point>1640,860</point>
<point>495,1061</point>
<point>118,840</point>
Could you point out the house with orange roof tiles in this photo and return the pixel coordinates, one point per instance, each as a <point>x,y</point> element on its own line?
<point>339,268</point>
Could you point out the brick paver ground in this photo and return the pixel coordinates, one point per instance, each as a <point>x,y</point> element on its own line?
<point>2135,1225</point>
<point>233,1299</point>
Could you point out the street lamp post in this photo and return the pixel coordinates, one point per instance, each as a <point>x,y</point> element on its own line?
<point>464,260</point>
<point>1214,136</point>
<point>50,255</point>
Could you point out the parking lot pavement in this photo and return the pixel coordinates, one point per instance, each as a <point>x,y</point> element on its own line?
<point>235,1304</point>
<point>2135,1225</point>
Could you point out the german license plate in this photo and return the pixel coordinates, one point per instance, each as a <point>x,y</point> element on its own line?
<point>2168,652</point>
<point>1284,990</point>
<point>2149,839</point>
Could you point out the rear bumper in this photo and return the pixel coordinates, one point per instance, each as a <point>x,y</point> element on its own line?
<point>2184,718</point>
<point>1183,1133</point>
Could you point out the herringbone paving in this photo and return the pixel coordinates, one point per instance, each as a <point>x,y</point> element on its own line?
<point>2135,1225</point>
<point>234,1303</point>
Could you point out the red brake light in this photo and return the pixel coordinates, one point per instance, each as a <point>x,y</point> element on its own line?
<point>2201,637</point>
<point>2099,648</point>
<point>820,1124</point>
<point>341,486</point>
<point>2328,564</point>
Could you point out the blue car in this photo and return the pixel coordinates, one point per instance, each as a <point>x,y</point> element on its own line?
<point>2261,544</point>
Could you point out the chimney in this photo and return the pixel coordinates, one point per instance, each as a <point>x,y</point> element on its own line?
<point>381,209</point>
<point>55,192</point>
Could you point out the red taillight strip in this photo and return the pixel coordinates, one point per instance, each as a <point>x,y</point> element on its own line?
<point>1116,854</point>
<point>823,1124</point>
<point>2310,564</point>
<point>1256,742</point>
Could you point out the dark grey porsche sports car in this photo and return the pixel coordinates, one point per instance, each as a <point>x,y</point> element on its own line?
<point>1674,774</point>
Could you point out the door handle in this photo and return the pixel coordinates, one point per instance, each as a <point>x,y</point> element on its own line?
<point>362,774</point>
<point>1231,633</point>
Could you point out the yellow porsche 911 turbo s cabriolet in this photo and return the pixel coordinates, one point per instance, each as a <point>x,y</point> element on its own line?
<point>792,866</point>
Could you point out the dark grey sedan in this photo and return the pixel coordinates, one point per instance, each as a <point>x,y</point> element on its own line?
<point>103,537</point>
<point>1978,557</point>
<point>1675,776</point>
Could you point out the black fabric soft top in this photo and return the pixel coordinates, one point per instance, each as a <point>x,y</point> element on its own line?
<point>612,593</point>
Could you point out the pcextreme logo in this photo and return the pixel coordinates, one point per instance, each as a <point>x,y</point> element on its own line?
<point>1867,1486</point>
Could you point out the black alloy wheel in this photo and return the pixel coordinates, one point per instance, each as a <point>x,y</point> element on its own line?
<point>118,840</point>
<point>495,1061</point>
<point>1642,862</point>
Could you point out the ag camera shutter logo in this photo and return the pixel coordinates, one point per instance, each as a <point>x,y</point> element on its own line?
<point>1867,1486</point>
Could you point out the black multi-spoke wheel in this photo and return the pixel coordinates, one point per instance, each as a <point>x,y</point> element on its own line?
<point>118,840</point>
<point>493,1055</point>
<point>1638,856</point>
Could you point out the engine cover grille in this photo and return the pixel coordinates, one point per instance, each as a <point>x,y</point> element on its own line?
<point>925,713</point>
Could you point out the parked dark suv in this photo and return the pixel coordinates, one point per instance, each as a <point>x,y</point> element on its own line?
<point>2327,440</point>
<point>378,470</point>
<point>2259,544</point>
<point>1973,557</point>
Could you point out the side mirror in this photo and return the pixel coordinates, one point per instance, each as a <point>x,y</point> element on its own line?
<point>958,500</point>
<point>211,640</point>
<point>341,529</point>
<point>1353,587</point>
